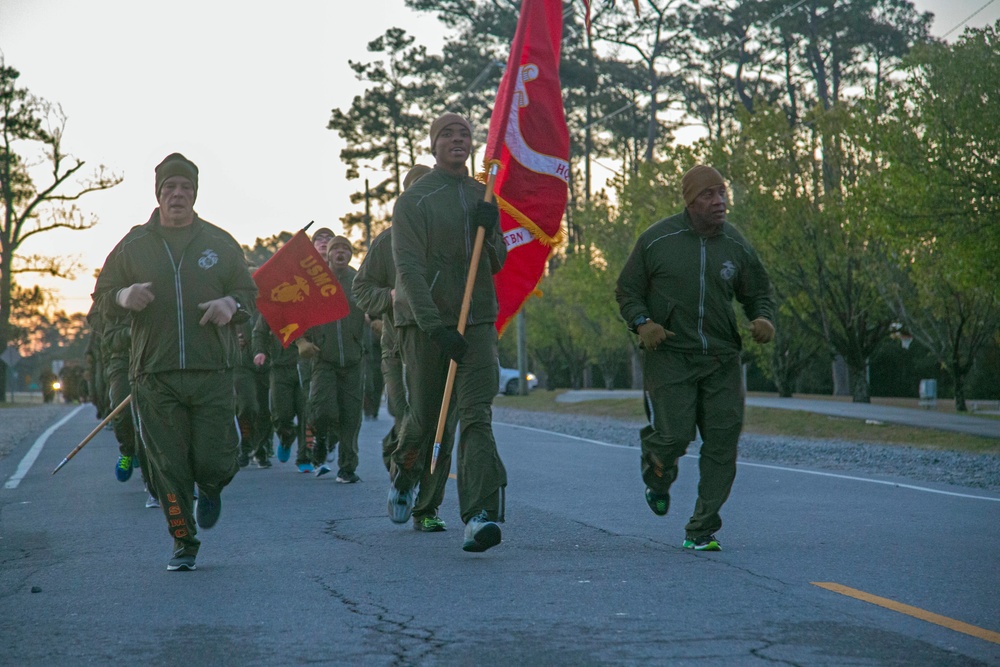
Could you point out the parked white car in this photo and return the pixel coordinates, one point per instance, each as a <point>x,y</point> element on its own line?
<point>509,381</point>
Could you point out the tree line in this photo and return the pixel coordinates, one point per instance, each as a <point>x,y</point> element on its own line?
<point>861,154</point>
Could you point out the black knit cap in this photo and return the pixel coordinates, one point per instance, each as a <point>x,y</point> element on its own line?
<point>176,164</point>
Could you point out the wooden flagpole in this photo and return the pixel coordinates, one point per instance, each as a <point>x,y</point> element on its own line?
<point>114,413</point>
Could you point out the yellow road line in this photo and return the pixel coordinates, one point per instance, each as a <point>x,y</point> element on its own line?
<point>916,612</point>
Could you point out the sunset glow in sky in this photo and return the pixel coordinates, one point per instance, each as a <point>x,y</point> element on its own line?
<point>244,89</point>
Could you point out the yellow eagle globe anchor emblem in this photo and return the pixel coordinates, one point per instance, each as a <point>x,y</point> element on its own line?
<point>286,292</point>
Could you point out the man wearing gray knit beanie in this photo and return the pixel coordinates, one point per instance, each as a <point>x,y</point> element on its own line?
<point>182,282</point>
<point>676,292</point>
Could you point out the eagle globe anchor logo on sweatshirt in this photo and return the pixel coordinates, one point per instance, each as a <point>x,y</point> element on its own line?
<point>728,271</point>
<point>208,259</point>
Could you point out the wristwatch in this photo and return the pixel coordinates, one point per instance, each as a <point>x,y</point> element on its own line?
<point>242,314</point>
<point>639,321</point>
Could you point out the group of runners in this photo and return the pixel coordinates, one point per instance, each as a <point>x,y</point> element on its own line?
<point>211,386</point>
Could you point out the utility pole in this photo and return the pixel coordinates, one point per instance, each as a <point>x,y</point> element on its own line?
<point>522,355</point>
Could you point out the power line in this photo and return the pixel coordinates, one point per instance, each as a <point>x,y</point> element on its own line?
<point>486,70</point>
<point>771,20</point>
<point>988,3</point>
<point>766,24</point>
<point>610,115</point>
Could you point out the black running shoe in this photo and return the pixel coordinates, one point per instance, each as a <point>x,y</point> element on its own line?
<point>659,503</point>
<point>208,508</point>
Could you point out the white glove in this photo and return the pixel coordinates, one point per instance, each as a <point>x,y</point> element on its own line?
<point>218,311</point>
<point>135,297</point>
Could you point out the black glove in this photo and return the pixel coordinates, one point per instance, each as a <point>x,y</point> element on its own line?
<point>487,216</point>
<point>452,343</point>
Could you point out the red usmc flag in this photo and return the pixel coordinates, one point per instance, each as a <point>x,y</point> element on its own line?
<point>529,141</point>
<point>297,290</point>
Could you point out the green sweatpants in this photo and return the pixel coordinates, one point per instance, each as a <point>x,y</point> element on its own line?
<point>482,477</point>
<point>306,438</point>
<point>99,389</point>
<point>287,407</point>
<point>252,412</point>
<point>124,422</point>
<point>395,398</point>
<point>118,389</point>
<point>374,382</point>
<point>335,398</point>
<point>684,391</point>
<point>188,426</point>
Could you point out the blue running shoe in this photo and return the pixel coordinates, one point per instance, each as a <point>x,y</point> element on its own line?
<point>401,504</point>
<point>123,470</point>
<point>305,467</point>
<point>284,453</point>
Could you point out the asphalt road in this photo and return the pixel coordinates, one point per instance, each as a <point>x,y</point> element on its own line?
<point>304,570</point>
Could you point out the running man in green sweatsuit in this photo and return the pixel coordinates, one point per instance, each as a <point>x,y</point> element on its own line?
<point>335,388</point>
<point>374,288</point>
<point>287,396</point>
<point>434,226</point>
<point>676,293</point>
<point>183,280</point>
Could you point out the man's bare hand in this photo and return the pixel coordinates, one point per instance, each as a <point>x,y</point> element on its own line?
<point>218,311</point>
<point>259,359</point>
<point>135,297</point>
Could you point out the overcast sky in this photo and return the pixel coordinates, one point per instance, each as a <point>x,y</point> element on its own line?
<point>244,89</point>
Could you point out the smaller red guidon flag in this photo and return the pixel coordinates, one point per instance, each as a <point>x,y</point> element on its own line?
<point>297,290</point>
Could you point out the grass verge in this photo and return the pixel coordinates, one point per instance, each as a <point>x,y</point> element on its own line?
<point>771,421</point>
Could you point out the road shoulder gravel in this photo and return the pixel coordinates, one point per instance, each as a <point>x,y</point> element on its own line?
<point>975,471</point>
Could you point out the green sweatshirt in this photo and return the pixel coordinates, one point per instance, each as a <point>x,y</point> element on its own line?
<point>687,283</point>
<point>264,341</point>
<point>116,342</point>
<point>341,342</point>
<point>166,335</point>
<point>245,334</point>
<point>432,243</point>
<point>373,288</point>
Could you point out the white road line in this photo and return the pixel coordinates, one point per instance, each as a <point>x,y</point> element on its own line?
<point>771,467</point>
<point>29,459</point>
